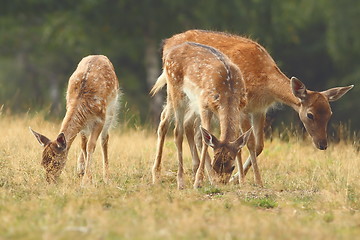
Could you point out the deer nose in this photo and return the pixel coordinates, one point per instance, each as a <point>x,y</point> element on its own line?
<point>323,145</point>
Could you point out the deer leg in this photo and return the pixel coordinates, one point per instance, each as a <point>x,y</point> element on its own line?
<point>104,147</point>
<point>255,144</point>
<point>205,121</point>
<point>90,148</point>
<point>240,172</point>
<point>199,142</point>
<point>179,135</point>
<point>162,130</point>
<point>110,118</point>
<point>256,168</point>
<point>82,156</point>
<point>245,125</point>
<point>258,128</point>
<point>190,135</point>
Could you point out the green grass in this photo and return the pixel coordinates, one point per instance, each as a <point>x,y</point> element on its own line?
<point>308,194</point>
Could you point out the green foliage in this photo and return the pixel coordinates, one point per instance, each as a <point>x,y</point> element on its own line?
<point>211,190</point>
<point>262,202</point>
<point>42,42</point>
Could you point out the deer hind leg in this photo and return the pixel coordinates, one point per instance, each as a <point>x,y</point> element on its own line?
<point>161,132</point>
<point>110,119</point>
<point>90,148</point>
<point>205,121</point>
<point>82,156</point>
<point>104,147</point>
<point>190,135</point>
<point>179,135</point>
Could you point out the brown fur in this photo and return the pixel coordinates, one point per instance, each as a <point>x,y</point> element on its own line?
<point>206,81</point>
<point>265,85</point>
<point>91,103</point>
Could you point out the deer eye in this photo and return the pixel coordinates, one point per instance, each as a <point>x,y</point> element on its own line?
<point>310,116</point>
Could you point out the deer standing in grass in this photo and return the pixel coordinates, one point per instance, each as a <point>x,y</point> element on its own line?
<point>92,104</point>
<point>266,85</point>
<point>202,80</point>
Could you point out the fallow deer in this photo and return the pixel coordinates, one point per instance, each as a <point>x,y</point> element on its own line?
<point>201,78</point>
<point>92,104</point>
<point>266,85</point>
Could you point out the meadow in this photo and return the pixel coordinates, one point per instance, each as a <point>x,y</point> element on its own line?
<point>307,193</point>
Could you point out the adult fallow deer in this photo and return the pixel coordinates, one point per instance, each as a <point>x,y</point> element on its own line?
<point>266,85</point>
<point>91,103</point>
<point>201,79</point>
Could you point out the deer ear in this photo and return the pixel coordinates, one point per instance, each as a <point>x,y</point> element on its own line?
<point>41,138</point>
<point>298,88</point>
<point>242,140</point>
<point>61,141</point>
<point>334,94</point>
<point>208,138</point>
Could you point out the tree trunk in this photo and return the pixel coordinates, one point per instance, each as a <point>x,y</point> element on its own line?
<point>55,95</point>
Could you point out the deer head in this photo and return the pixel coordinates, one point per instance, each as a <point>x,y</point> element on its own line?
<point>54,155</point>
<point>224,153</point>
<point>315,111</point>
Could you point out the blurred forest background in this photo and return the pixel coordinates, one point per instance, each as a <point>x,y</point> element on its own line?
<point>42,41</point>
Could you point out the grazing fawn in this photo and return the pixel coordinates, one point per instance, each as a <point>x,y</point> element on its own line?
<point>92,104</point>
<point>266,85</point>
<point>203,79</point>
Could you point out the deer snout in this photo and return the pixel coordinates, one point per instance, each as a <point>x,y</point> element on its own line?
<point>322,145</point>
<point>224,178</point>
<point>51,178</point>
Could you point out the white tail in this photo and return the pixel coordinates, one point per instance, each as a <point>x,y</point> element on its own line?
<point>159,84</point>
<point>92,104</point>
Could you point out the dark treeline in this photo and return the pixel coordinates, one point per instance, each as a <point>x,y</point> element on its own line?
<point>42,41</point>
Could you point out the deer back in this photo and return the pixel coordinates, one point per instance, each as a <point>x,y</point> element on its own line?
<point>205,75</point>
<point>257,66</point>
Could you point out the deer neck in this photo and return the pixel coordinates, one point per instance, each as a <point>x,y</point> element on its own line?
<point>72,124</point>
<point>280,88</point>
<point>229,123</point>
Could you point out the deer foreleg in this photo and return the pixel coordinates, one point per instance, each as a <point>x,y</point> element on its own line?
<point>205,121</point>
<point>82,156</point>
<point>240,172</point>
<point>258,122</point>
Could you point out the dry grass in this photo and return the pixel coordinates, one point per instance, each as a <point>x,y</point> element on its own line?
<point>308,194</point>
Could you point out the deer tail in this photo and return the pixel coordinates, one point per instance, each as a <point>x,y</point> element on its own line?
<point>160,83</point>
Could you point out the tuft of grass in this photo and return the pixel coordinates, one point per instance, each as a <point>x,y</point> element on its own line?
<point>329,217</point>
<point>262,202</point>
<point>211,190</point>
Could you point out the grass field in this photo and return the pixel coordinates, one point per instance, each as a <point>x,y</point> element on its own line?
<point>308,194</point>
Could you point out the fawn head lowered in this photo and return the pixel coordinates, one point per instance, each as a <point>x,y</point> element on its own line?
<point>224,153</point>
<point>54,155</point>
<point>315,111</point>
